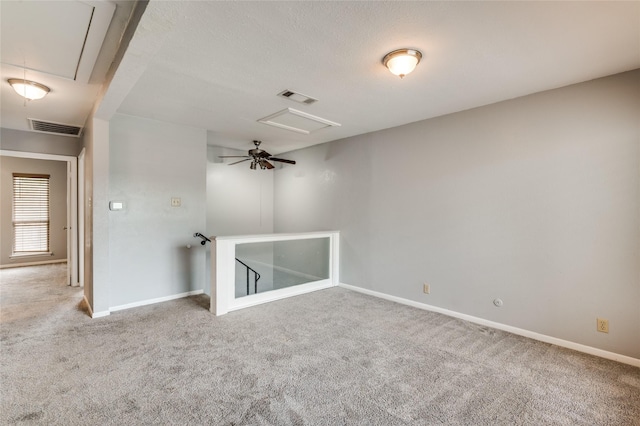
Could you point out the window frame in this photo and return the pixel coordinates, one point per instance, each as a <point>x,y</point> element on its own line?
<point>28,218</point>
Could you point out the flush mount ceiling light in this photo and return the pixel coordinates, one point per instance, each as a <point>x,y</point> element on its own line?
<point>28,89</point>
<point>402,61</point>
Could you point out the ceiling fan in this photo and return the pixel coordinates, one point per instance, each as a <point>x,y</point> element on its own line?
<point>258,157</point>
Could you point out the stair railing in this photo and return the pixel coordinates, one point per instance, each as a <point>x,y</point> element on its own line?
<point>256,276</point>
<point>204,239</point>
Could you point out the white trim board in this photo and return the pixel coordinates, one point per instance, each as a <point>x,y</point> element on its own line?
<point>36,155</point>
<point>156,300</point>
<point>223,270</point>
<point>264,238</point>
<point>81,195</point>
<point>515,330</point>
<point>34,263</point>
<point>278,294</point>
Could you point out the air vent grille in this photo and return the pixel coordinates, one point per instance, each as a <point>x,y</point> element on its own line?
<point>298,97</point>
<point>55,128</point>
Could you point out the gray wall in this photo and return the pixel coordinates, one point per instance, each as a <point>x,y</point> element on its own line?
<point>19,140</point>
<point>58,205</point>
<point>151,162</point>
<point>535,200</point>
<point>96,220</point>
<point>239,200</point>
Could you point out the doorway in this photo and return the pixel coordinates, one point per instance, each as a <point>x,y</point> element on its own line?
<point>72,235</point>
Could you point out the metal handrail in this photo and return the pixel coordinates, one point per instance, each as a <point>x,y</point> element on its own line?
<point>256,276</point>
<point>204,239</point>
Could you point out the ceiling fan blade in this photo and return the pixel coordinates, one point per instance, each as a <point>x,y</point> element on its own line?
<point>265,163</point>
<point>282,160</point>
<point>241,161</point>
<point>233,156</point>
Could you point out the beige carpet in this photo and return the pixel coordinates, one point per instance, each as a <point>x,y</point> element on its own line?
<point>332,357</point>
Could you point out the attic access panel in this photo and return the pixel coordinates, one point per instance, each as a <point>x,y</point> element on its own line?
<point>61,38</point>
<point>297,121</point>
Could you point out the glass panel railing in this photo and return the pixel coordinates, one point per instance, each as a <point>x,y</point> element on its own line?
<point>254,269</point>
<point>266,266</point>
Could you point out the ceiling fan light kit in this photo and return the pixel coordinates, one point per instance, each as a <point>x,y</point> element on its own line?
<point>258,157</point>
<point>402,61</point>
<point>28,89</point>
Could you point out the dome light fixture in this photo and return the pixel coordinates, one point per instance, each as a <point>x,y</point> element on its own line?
<point>402,61</point>
<point>29,89</point>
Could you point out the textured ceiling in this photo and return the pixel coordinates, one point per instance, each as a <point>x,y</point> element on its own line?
<point>60,43</point>
<point>220,65</point>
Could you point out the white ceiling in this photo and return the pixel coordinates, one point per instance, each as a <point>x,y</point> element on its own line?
<point>219,65</point>
<point>59,44</point>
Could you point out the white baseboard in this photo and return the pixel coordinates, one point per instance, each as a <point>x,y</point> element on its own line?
<point>94,314</point>
<point>100,314</point>
<point>515,330</point>
<point>156,300</point>
<point>34,263</point>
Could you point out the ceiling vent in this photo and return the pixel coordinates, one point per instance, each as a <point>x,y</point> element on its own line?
<point>298,97</point>
<point>54,128</point>
<point>297,121</point>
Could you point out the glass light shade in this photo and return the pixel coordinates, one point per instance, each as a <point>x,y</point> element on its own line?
<point>401,62</point>
<point>29,89</point>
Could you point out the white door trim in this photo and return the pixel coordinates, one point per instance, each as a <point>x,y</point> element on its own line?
<point>81,172</point>
<point>73,200</point>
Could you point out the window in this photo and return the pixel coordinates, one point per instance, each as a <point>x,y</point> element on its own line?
<point>30,213</point>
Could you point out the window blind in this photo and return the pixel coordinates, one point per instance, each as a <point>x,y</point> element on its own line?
<point>30,213</point>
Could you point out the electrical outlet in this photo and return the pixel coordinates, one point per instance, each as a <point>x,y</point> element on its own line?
<point>426,288</point>
<point>602,325</point>
<point>176,202</point>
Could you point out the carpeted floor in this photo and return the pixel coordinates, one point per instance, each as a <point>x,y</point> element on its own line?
<point>332,357</point>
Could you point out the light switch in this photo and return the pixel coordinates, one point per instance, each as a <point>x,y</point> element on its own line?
<point>116,205</point>
<point>176,202</point>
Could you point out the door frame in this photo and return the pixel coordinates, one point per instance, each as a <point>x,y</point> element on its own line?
<point>72,203</point>
<point>81,177</point>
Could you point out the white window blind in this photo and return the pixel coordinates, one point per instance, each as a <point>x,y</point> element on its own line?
<point>30,213</point>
